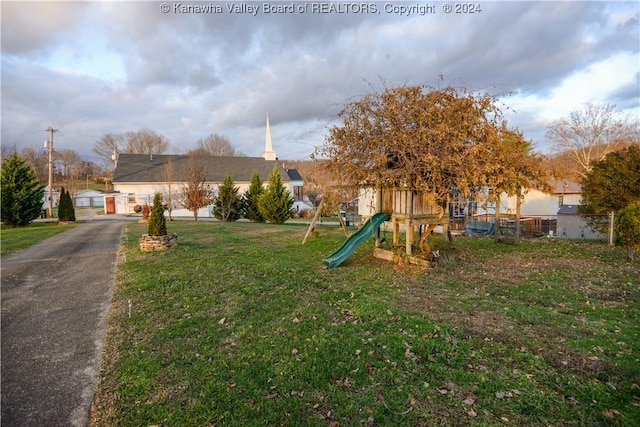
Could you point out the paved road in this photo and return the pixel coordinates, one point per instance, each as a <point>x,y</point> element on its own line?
<point>55,300</point>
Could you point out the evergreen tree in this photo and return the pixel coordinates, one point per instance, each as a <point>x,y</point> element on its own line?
<point>250,199</point>
<point>61,205</point>
<point>228,205</point>
<point>157,225</point>
<point>70,213</point>
<point>22,194</point>
<point>276,202</point>
<point>66,211</point>
<point>612,185</point>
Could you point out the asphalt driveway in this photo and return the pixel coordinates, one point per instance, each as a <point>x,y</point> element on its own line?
<point>55,299</point>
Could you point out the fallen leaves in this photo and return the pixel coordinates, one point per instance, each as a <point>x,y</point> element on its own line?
<point>611,413</point>
<point>344,382</point>
<point>510,393</point>
<point>470,399</point>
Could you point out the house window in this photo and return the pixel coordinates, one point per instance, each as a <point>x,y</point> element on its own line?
<point>560,201</point>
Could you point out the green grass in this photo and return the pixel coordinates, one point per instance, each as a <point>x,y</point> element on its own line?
<point>15,239</point>
<point>239,325</point>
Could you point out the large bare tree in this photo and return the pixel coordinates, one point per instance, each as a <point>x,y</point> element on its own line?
<point>216,145</point>
<point>107,146</point>
<point>39,161</point>
<point>143,141</point>
<point>591,133</point>
<point>196,193</point>
<point>67,160</point>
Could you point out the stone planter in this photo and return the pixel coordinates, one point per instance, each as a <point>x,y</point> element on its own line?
<point>155,243</point>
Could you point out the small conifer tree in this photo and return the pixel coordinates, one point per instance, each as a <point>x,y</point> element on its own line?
<point>276,202</point>
<point>157,225</point>
<point>66,211</point>
<point>250,199</point>
<point>228,204</point>
<point>22,194</point>
<point>61,205</point>
<point>72,209</point>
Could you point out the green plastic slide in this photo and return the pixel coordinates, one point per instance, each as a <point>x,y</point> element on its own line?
<point>338,256</point>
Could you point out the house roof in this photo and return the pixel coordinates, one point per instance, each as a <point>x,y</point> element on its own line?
<point>87,193</point>
<point>568,210</point>
<point>141,168</point>
<point>294,175</point>
<point>566,187</point>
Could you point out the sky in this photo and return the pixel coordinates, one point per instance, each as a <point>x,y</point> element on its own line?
<point>190,69</point>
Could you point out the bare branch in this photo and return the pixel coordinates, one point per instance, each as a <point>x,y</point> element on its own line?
<point>592,133</point>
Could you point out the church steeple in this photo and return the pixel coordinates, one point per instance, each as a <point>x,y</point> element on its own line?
<point>268,154</point>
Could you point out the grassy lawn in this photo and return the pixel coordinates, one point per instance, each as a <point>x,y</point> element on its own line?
<point>239,325</point>
<point>14,239</point>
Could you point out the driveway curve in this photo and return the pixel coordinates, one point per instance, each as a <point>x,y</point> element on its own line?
<point>55,300</point>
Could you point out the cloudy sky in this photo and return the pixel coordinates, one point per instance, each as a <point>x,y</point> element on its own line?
<point>92,68</point>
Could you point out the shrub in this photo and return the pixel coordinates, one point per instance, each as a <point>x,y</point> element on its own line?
<point>145,212</point>
<point>627,227</point>
<point>157,225</point>
<point>306,213</point>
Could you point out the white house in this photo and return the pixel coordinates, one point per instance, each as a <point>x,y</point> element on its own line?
<point>55,196</point>
<point>539,210</point>
<point>536,202</point>
<point>138,177</point>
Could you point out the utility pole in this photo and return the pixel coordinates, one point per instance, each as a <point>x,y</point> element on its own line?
<point>49,144</point>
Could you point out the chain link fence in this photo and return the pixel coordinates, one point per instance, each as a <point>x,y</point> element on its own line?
<point>568,226</point>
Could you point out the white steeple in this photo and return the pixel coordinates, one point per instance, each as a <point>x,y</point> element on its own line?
<point>268,154</point>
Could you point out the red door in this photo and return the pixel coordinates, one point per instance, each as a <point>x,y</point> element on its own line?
<point>111,205</point>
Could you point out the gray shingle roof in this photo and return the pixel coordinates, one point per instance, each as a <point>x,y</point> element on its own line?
<point>140,168</point>
<point>294,175</point>
<point>566,187</point>
<point>568,210</point>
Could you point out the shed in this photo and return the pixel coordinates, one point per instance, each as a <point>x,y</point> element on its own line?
<point>572,225</point>
<point>89,199</point>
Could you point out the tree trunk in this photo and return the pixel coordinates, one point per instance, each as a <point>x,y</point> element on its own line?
<point>516,232</point>
<point>497,218</point>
